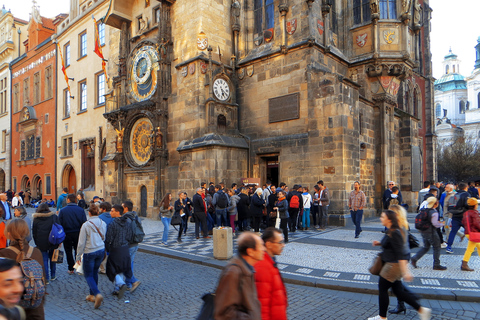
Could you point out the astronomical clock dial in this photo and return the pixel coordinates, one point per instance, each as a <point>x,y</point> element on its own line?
<point>140,144</point>
<point>221,89</point>
<point>143,73</point>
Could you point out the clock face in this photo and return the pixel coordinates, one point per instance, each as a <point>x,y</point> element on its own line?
<point>143,73</point>
<point>140,142</point>
<point>221,89</point>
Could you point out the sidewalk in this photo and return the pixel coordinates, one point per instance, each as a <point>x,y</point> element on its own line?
<point>334,259</point>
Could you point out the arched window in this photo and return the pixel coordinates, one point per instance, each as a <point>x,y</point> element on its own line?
<point>407,99</point>
<point>263,11</point>
<point>415,103</point>
<point>221,123</point>
<point>333,17</point>
<point>388,9</point>
<point>462,107</point>
<point>453,69</point>
<point>438,110</point>
<point>446,69</point>
<point>361,11</point>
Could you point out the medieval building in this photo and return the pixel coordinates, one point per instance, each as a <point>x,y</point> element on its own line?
<point>286,90</point>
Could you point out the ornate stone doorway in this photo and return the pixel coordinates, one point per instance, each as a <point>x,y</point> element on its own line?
<point>69,179</point>
<point>273,170</point>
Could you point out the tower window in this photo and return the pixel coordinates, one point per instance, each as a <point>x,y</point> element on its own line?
<point>263,11</point>
<point>446,69</point>
<point>462,107</point>
<point>361,11</point>
<point>388,9</point>
<point>438,110</point>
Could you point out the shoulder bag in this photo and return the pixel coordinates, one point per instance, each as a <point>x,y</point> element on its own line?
<point>377,265</point>
<point>472,236</point>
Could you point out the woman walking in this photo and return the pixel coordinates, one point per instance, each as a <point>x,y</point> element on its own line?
<point>21,213</point>
<point>282,206</point>
<point>166,213</point>
<point>17,231</point>
<point>91,245</point>
<point>257,206</point>
<point>395,255</point>
<point>471,222</point>
<point>307,203</point>
<point>232,208</point>
<point>180,207</point>
<point>43,220</point>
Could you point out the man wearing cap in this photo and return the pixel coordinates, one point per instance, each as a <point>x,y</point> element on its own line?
<point>430,236</point>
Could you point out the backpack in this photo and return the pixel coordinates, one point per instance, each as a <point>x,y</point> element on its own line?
<point>453,204</point>
<point>63,204</point>
<point>137,229</point>
<point>57,234</point>
<point>222,201</point>
<point>294,202</point>
<point>423,219</point>
<point>33,281</point>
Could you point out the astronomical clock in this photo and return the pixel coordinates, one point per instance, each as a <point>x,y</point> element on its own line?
<point>140,142</point>
<point>142,75</point>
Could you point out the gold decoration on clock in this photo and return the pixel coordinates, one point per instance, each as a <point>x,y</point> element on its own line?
<point>143,73</point>
<point>140,141</point>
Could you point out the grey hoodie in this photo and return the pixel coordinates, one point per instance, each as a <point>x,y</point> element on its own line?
<point>232,208</point>
<point>89,239</point>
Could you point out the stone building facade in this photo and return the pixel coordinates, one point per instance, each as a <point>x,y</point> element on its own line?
<point>286,90</point>
<point>12,34</point>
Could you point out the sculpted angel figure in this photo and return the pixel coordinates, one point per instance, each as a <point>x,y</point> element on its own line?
<point>119,138</point>
<point>416,15</point>
<point>235,12</point>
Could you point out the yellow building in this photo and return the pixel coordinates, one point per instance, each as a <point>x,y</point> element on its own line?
<point>80,125</point>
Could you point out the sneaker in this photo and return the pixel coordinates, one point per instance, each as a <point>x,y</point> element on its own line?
<point>425,314</point>
<point>449,250</point>
<point>356,237</point>
<point>377,318</point>
<point>439,268</point>
<point>134,286</point>
<point>443,245</point>
<point>122,290</point>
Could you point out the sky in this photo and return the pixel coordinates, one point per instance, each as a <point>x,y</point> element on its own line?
<point>453,23</point>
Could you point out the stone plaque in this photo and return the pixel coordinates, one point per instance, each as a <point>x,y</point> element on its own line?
<point>284,108</point>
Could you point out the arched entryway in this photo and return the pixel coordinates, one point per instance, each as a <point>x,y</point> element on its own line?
<point>143,201</point>
<point>36,189</point>
<point>69,179</point>
<point>25,183</point>
<point>2,181</point>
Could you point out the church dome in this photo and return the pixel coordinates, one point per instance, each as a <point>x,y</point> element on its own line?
<point>451,81</point>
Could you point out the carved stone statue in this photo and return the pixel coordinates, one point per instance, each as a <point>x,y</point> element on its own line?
<point>406,6</point>
<point>235,13</point>
<point>120,139</point>
<point>374,7</point>
<point>416,15</point>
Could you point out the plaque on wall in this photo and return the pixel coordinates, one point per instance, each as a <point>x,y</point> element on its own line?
<point>284,108</point>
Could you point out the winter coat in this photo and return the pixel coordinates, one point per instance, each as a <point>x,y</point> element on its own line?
<point>243,206</point>
<point>271,290</point>
<point>473,220</point>
<point>72,217</point>
<point>257,205</point>
<point>283,208</point>
<point>42,225</point>
<point>232,208</point>
<point>272,199</point>
<point>119,233</point>
<point>198,204</point>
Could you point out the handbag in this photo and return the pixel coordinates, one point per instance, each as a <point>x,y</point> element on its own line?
<point>206,313</point>
<point>413,241</point>
<point>176,219</point>
<point>57,256</point>
<point>377,265</point>
<point>472,236</point>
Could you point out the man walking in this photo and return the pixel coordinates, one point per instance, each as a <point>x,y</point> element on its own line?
<point>236,295</point>
<point>119,235</point>
<point>220,202</point>
<point>132,283</point>
<point>62,199</point>
<point>71,218</point>
<point>270,287</point>
<point>356,202</point>
<point>457,211</point>
<point>200,214</point>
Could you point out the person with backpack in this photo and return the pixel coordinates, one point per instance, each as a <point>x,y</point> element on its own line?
<point>138,235</point>
<point>257,206</point>
<point>471,221</point>
<point>71,218</point>
<point>91,244</point>
<point>427,223</point>
<point>31,261</point>
<point>295,203</point>
<point>220,202</point>
<point>62,199</point>
<point>43,219</point>
<point>457,208</point>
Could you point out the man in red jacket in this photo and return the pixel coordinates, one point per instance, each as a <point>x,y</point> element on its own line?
<point>270,287</point>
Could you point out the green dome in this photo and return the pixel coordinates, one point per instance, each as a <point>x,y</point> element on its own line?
<point>451,81</point>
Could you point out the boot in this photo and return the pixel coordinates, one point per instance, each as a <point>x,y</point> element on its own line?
<point>399,309</point>
<point>465,266</point>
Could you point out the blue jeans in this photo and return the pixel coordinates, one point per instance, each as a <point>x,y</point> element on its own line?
<point>47,255</point>
<point>456,224</point>
<point>91,263</point>
<point>306,216</point>
<point>133,251</point>
<point>221,213</point>
<point>166,226</point>
<point>357,220</point>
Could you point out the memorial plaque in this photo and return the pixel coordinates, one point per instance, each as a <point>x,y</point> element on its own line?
<point>284,108</point>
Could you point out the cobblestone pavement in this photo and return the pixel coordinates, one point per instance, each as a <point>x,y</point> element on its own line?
<point>171,289</point>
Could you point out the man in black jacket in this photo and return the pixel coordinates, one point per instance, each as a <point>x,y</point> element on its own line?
<point>200,214</point>
<point>71,218</point>
<point>461,206</point>
<point>295,203</point>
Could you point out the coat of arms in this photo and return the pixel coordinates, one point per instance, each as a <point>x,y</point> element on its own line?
<point>389,36</point>
<point>184,71</point>
<point>385,81</point>
<point>291,26</point>
<point>268,35</point>
<point>361,40</point>
<point>250,70</point>
<point>258,40</point>
<point>241,73</point>
<point>191,68</point>
<point>202,41</point>
<point>320,26</point>
<point>203,67</point>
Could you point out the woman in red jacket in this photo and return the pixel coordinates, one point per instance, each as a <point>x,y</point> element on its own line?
<point>473,225</point>
<point>271,290</point>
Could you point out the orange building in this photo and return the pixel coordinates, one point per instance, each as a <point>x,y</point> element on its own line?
<point>33,110</point>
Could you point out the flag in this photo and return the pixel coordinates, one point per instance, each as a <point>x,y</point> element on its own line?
<point>98,49</point>
<point>64,70</point>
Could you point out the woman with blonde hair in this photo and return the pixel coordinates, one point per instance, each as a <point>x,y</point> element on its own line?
<point>401,215</point>
<point>17,231</point>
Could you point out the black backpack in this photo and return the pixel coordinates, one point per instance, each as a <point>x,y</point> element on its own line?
<point>456,205</point>
<point>423,219</point>
<point>222,201</point>
<point>137,229</point>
